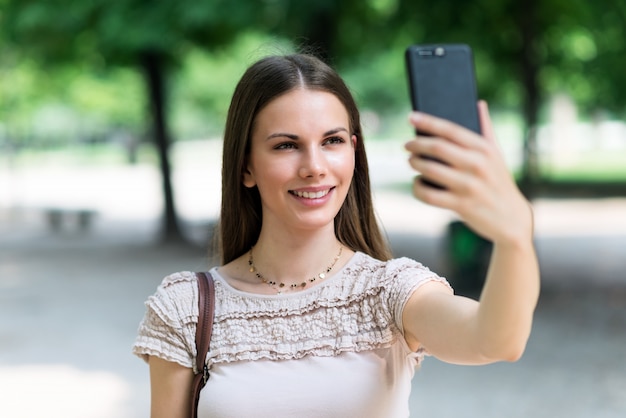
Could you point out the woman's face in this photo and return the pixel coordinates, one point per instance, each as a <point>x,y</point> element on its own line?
<point>301,159</point>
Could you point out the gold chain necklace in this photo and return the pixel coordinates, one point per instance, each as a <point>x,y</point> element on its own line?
<point>280,286</point>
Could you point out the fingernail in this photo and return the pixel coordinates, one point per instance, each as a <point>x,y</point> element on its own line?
<point>415,116</point>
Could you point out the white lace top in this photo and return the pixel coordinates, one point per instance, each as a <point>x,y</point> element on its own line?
<point>336,349</point>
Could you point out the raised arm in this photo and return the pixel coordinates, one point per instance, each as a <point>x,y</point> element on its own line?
<point>480,189</point>
<point>170,389</point>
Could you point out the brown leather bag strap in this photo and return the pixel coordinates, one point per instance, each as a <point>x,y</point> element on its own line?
<point>206,313</point>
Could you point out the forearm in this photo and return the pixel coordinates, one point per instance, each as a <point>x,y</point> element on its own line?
<point>508,300</point>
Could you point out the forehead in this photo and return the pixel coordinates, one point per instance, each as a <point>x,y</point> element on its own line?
<point>303,109</point>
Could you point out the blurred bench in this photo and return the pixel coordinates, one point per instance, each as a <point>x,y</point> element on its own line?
<point>60,217</point>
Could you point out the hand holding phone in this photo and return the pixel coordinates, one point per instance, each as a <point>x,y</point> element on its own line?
<point>482,190</point>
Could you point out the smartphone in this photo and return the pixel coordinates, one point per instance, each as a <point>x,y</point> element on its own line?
<point>442,82</point>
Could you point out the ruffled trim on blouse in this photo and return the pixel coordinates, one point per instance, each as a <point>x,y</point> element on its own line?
<point>168,329</point>
<point>357,309</point>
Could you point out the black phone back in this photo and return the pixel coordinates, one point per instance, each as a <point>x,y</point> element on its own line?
<point>443,83</point>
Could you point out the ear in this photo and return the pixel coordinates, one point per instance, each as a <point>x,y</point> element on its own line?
<point>248,177</point>
<point>353,138</point>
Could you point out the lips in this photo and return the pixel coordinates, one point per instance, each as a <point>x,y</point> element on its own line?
<point>311,194</point>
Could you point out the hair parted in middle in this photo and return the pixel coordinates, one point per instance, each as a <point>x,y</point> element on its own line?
<point>241,214</point>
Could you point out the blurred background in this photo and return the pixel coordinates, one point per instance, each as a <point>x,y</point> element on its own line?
<point>111,116</point>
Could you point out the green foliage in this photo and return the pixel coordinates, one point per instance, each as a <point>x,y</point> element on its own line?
<point>577,45</point>
<point>203,86</point>
<point>83,55</point>
<point>116,31</point>
<point>116,95</point>
<point>67,103</point>
<point>81,58</point>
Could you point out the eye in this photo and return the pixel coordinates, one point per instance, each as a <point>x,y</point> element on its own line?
<point>285,145</point>
<point>334,140</point>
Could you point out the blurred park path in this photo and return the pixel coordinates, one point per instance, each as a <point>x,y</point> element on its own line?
<point>71,300</point>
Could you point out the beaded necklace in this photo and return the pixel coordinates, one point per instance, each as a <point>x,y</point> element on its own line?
<point>280,286</point>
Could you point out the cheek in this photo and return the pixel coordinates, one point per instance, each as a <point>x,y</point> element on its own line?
<point>344,162</point>
<point>273,175</point>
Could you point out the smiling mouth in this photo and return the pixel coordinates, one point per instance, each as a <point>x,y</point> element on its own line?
<point>311,195</point>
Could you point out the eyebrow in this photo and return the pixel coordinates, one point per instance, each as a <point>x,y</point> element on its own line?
<point>296,137</point>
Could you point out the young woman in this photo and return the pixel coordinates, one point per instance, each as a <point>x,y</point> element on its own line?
<point>313,317</point>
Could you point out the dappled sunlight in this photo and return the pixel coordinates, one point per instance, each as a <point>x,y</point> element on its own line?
<point>62,391</point>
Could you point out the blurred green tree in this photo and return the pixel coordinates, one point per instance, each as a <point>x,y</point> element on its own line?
<point>151,36</point>
<point>154,36</point>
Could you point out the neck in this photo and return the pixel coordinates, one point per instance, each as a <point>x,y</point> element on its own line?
<point>291,261</point>
<point>302,283</point>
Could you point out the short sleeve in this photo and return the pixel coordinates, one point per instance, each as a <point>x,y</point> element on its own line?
<point>168,327</point>
<point>404,276</point>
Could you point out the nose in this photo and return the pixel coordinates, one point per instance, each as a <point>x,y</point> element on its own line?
<point>313,164</point>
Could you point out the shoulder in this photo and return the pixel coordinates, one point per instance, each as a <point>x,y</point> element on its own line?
<point>176,298</point>
<point>179,281</point>
<point>395,279</point>
<point>168,328</point>
<point>389,270</point>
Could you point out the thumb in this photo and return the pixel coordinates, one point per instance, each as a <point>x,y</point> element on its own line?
<point>485,121</point>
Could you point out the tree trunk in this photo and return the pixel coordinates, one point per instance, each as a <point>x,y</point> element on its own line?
<point>321,33</point>
<point>153,67</point>
<point>529,71</point>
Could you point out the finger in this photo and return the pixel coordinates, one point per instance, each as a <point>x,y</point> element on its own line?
<point>442,128</point>
<point>486,126</point>
<point>447,152</point>
<point>447,176</point>
<point>428,167</point>
<point>430,195</point>
<point>429,146</point>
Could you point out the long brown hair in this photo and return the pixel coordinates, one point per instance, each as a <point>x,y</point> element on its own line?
<point>241,215</point>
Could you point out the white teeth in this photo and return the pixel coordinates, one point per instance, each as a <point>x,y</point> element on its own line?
<point>312,195</point>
